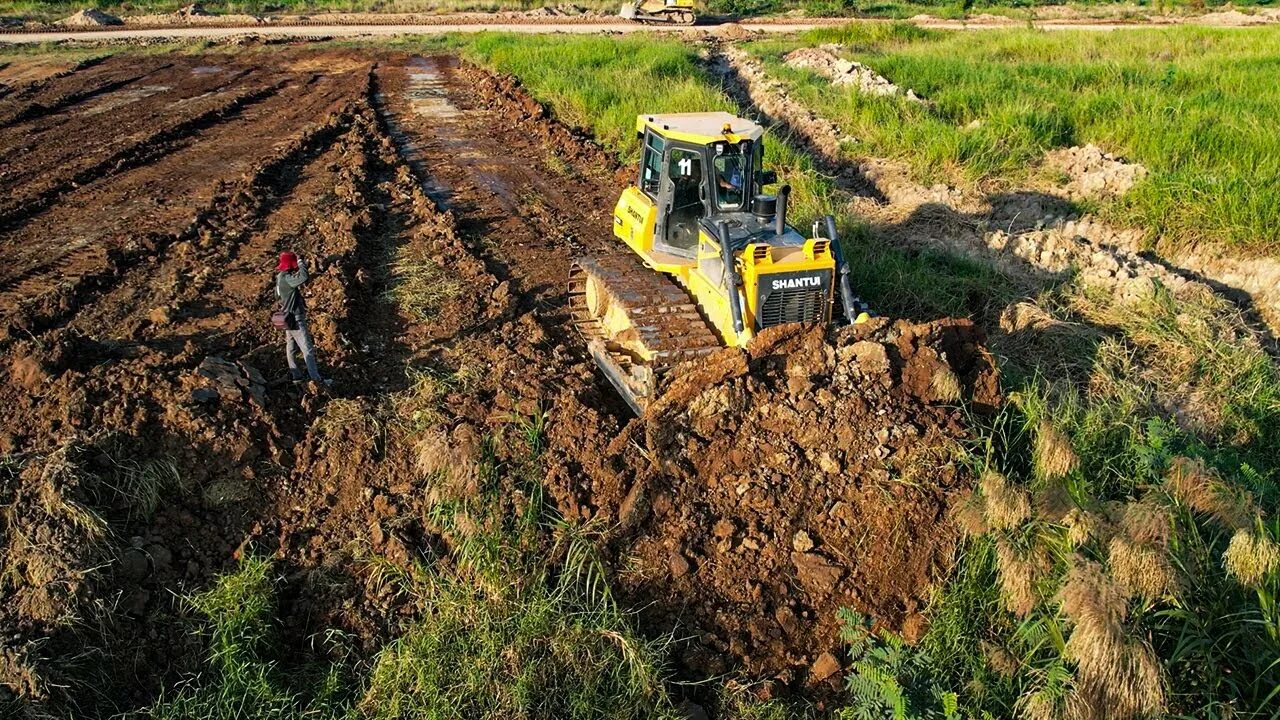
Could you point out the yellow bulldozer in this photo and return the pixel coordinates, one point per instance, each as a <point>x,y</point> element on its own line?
<point>727,263</point>
<point>656,12</point>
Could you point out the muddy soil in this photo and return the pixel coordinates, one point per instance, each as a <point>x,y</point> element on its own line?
<point>150,436</point>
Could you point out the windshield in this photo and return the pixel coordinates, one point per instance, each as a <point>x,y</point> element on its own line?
<point>730,177</point>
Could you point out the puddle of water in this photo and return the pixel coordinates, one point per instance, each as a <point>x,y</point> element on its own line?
<point>427,93</point>
<point>206,70</point>
<point>124,97</point>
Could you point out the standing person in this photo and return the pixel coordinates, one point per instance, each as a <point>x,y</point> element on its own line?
<point>291,275</point>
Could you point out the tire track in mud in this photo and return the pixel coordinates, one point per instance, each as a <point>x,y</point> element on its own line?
<point>30,89</point>
<point>138,153</point>
<point>66,94</point>
<point>89,259</point>
<point>45,153</point>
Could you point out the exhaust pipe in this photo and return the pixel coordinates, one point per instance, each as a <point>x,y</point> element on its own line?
<point>780,218</point>
<point>853,307</point>
<point>730,276</point>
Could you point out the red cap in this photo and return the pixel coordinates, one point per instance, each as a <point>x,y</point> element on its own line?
<point>288,261</point>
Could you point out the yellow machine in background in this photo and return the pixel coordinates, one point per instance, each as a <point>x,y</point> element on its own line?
<point>675,12</point>
<point>727,263</point>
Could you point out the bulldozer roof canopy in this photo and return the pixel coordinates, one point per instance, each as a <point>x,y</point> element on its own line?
<point>700,128</point>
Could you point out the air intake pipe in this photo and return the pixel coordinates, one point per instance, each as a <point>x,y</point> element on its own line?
<point>730,276</point>
<point>780,218</point>
<point>853,307</point>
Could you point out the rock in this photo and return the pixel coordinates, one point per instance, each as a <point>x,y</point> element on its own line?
<point>134,565</point>
<point>679,566</point>
<point>801,542</point>
<point>28,373</point>
<point>824,667</point>
<point>816,574</point>
<point>160,556</point>
<point>723,528</point>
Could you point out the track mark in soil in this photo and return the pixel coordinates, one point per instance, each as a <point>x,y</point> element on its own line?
<point>138,153</point>
<point>95,251</point>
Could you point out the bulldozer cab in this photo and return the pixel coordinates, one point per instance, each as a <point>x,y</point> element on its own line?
<point>692,182</point>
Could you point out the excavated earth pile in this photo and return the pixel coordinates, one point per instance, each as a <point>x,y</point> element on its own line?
<point>770,487</point>
<point>150,436</point>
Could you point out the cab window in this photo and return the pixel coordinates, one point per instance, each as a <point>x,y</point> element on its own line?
<point>730,171</point>
<point>651,168</point>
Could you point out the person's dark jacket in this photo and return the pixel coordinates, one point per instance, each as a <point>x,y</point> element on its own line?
<point>289,290</point>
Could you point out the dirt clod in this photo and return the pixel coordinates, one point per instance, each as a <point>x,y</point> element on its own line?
<point>824,61</point>
<point>90,17</point>
<point>1094,173</point>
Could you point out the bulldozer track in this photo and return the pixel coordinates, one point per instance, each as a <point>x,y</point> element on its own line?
<point>667,325</point>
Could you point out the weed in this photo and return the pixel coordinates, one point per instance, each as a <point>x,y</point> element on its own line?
<point>139,485</point>
<point>419,284</point>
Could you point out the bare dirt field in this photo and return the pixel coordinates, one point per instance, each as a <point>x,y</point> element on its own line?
<point>154,439</point>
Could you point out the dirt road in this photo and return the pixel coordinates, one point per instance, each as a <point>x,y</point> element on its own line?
<point>371,29</point>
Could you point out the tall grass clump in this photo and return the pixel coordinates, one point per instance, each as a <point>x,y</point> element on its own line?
<point>242,677</point>
<point>524,627</point>
<point>1191,104</point>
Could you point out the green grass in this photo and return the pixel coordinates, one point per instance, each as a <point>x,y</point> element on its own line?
<point>1193,105</point>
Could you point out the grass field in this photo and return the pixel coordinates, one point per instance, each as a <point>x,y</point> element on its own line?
<point>1159,414</point>
<point>56,9</point>
<point>1193,105</point>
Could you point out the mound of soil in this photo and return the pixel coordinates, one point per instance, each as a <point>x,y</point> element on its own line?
<point>1094,173</point>
<point>732,31</point>
<point>90,17</point>
<point>846,72</point>
<point>772,486</point>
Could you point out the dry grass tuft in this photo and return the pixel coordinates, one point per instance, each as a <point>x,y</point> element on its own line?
<point>1200,489</point>
<point>1118,675</point>
<point>1054,455</point>
<point>1005,506</point>
<point>1141,568</point>
<point>1019,571</point>
<point>1054,503</point>
<point>1082,526</point>
<point>1000,659</point>
<point>1251,557</point>
<point>1088,595</point>
<point>448,460</point>
<point>946,386</point>
<point>1054,704</point>
<point>1147,521</point>
<point>968,516</point>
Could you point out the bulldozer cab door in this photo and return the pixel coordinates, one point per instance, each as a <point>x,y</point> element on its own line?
<point>681,201</point>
